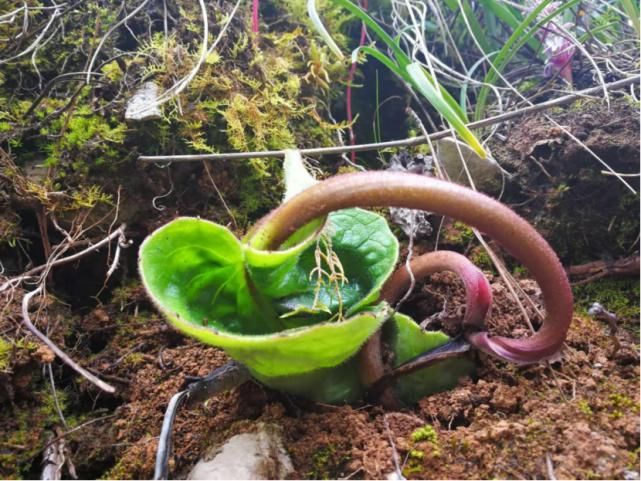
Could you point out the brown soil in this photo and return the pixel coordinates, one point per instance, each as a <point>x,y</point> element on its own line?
<point>574,419</point>
<point>561,188</point>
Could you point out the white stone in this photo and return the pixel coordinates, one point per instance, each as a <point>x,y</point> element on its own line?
<point>485,173</point>
<point>257,455</point>
<point>395,476</point>
<point>142,106</point>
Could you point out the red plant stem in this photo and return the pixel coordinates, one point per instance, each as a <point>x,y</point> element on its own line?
<point>350,79</point>
<point>398,189</point>
<point>255,5</point>
<point>478,300</point>
<point>478,295</point>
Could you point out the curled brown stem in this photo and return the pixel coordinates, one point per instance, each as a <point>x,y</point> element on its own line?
<point>477,292</point>
<point>520,239</point>
<point>478,295</point>
<point>478,300</point>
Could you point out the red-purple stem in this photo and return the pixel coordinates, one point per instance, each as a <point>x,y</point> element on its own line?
<point>255,5</point>
<point>398,189</point>
<point>350,79</point>
<point>478,295</point>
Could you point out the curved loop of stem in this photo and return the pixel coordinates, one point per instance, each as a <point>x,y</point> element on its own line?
<point>478,299</point>
<point>520,239</point>
<point>478,294</point>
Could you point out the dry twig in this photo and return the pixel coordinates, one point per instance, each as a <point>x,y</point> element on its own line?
<point>419,140</point>
<point>64,357</point>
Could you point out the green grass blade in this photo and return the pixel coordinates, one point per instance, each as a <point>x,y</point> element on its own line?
<point>320,28</point>
<point>518,38</point>
<point>632,10</point>
<point>474,25</point>
<point>451,101</point>
<point>389,63</point>
<point>401,58</point>
<point>592,33</point>
<point>381,57</point>
<point>422,82</point>
<point>510,19</point>
<point>441,99</point>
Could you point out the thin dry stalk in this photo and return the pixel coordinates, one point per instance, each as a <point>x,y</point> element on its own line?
<point>49,343</point>
<point>411,141</point>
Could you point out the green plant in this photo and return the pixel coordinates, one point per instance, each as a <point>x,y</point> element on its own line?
<point>522,34</point>
<point>426,433</point>
<point>413,73</point>
<point>312,284</point>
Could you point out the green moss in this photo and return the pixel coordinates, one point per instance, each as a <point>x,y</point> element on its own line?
<point>481,258</point>
<point>9,228</point>
<point>584,407</point>
<point>520,272</point>
<point>86,139</point>
<point>620,404</point>
<point>327,462</point>
<point>428,444</point>
<point>88,197</point>
<point>135,359</point>
<point>416,454</point>
<point>335,18</point>
<point>24,442</point>
<point>124,468</point>
<point>620,296</point>
<point>5,353</point>
<point>412,468</point>
<point>426,433</point>
<point>528,85</point>
<point>590,474</point>
<point>458,234</point>
<point>633,463</point>
<point>580,105</point>
<point>48,409</point>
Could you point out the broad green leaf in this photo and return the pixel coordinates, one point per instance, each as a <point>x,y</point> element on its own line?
<point>194,271</point>
<point>292,351</point>
<point>367,251</point>
<point>332,385</point>
<point>407,340</point>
